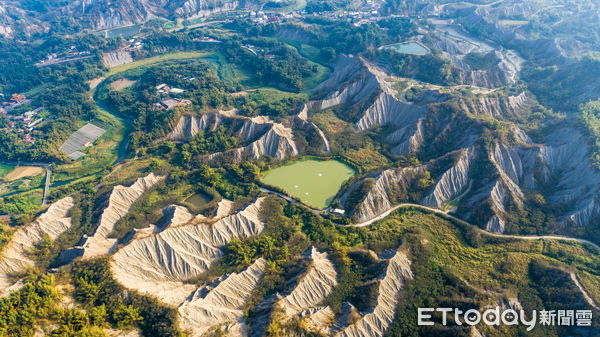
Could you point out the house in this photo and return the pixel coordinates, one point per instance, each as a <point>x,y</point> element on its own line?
<point>28,116</point>
<point>17,98</point>
<point>338,211</point>
<point>162,88</point>
<point>31,125</point>
<point>172,103</point>
<point>28,139</point>
<point>176,90</point>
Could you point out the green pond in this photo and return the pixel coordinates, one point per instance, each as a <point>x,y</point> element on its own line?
<point>312,181</point>
<point>412,48</point>
<point>197,201</point>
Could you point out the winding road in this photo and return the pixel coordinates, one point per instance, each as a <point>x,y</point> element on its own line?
<point>447,216</point>
<point>444,214</point>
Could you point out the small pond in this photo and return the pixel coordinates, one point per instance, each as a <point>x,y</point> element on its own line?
<point>125,32</point>
<point>314,182</point>
<point>412,48</point>
<point>196,201</point>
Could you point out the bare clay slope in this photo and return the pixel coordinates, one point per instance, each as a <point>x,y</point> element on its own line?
<point>52,223</point>
<point>485,177</point>
<point>221,308</point>
<point>314,286</point>
<point>376,323</point>
<point>120,201</point>
<point>160,264</point>
<point>102,14</point>
<point>259,136</point>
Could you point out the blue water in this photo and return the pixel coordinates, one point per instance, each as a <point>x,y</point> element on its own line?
<point>125,32</point>
<point>412,48</point>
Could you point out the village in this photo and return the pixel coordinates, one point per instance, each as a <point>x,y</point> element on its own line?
<point>169,103</point>
<point>368,12</point>
<point>70,56</point>
<point>24,123</point>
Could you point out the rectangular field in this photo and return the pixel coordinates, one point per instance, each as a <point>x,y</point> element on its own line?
<point>81,138</point>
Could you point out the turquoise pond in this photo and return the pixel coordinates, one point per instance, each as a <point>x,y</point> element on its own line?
<point>125,32</point>
<point>412,48</point>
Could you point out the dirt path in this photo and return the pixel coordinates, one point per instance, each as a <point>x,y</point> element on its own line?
<point>586,296</point>
<point>22,172</point>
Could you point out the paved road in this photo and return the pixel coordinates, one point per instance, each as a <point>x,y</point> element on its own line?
<point>453,218</point>
<point>444,214</point>
<point>47,185</point>
<point>290,199</point>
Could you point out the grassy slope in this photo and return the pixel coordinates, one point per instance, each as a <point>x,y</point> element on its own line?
<point>99,156</point>
<point>356,148</point>
<point>105,152</point>
<point>5,169</point>
<point>454,268</point>
<point>312,55</point>
<point>158,59</point>
<point>493,263</point>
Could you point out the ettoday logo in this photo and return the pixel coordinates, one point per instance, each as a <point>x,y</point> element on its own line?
<point>497,316</point>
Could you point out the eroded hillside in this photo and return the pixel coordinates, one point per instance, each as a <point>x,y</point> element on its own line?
<point>470,183</point>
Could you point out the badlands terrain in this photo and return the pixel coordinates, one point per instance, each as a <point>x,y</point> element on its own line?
<point>472,164</point>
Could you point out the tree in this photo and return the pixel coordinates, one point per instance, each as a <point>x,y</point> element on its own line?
<point>126,316</point>
<point>86,292</point>
<point>239,253</point>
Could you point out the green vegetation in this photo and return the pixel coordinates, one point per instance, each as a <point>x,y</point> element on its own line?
<point>159,59</point>
<point>20,312</point>
<point>430,68</point>
<point>481,61</point>
<point>269,102</point>
<point>24,204</point>
<point>101,305</point>
<point>565,88</point>
<point>209,141</point>
<point>362,150</point>
<point>453,264</point>
<point>315,182</point>
<point>5,234</point>
<point>590,116</point>
<point>96,289</point>
<point>5,169</point>
<point>275,63</point>
<point>100,156</point>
